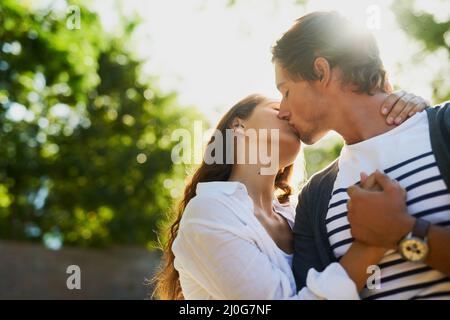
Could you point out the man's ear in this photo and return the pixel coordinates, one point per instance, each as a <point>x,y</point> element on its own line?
<point>387,85</point>
<point>323,70</point>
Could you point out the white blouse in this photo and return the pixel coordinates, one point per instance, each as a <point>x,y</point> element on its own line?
<point>223,252</point>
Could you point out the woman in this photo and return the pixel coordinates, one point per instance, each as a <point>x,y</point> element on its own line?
<point>232,238</point>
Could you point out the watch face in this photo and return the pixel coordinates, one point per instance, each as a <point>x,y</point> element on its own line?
<point>414,249</point>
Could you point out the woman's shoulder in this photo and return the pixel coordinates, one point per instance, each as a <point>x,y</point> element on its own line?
<point>222,201</point>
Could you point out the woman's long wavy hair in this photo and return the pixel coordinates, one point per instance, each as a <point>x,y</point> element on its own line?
<point>167,283</point>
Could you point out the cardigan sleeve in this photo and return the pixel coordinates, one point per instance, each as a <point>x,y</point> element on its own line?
<point>306,255</point>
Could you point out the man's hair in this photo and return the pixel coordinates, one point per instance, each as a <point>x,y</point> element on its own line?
<point>329,35</point>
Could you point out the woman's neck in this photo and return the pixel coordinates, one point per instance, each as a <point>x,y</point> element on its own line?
<point>260,187</point>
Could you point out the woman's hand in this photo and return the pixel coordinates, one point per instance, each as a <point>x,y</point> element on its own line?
<point>360,256</point>
<point>401,105</point>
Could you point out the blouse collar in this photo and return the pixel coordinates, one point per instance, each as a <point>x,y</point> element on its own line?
<point>238,188</point>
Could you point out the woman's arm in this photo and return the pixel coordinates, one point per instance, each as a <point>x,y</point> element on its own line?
<point>360,256</point>
<point>357,259</point>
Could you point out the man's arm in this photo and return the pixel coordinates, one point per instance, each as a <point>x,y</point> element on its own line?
<point>439,244</point>
<point>380,218</point>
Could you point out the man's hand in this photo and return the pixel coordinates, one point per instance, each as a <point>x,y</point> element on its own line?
<point>378,218</point>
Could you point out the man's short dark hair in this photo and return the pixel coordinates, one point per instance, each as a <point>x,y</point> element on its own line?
<point>333,37</point>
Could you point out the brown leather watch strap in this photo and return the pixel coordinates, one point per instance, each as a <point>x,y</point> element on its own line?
<point>420,229</point>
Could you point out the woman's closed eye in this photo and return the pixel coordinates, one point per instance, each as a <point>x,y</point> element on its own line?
<point>286,94</point>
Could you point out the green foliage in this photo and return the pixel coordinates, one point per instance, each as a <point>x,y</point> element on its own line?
<point>319,156</point>
<point>421,25</point>
<point>85,149</point>
<point>425,28</point>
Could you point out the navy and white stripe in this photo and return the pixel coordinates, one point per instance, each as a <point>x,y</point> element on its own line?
<point>427,197</point>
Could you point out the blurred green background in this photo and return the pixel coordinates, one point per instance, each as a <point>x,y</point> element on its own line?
<point>85,148</point>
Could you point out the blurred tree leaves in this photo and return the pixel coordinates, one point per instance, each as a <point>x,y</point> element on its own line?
<point>433,33</point>
<point>422,25</point>
<point>322,154</point>
<point>84,147</point>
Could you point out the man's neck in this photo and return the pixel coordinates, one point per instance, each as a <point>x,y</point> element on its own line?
<point>360,118</point>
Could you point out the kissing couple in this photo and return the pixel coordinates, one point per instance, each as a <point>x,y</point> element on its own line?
<point>383,205</point>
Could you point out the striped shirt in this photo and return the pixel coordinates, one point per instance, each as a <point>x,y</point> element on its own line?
<point>404,154</point>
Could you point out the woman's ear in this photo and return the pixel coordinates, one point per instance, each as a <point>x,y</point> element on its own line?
<point>237,123</point>
<point>323,70</point>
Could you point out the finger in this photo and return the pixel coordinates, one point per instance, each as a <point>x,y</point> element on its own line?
<point>398,108</point>
<point>363,177</point>
<point>419,108</point>
<point>349,209</point>
<point>422,104</point>
<point>372,184</point>
<point>353,191</point>
<point>384,181</point>
<point>369,182</point>
<point>389,102</point>
<point>408,108</point>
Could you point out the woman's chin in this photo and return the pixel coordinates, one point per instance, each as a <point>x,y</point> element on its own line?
<point>288,148</point>
<point>289,151</point>
<point>292,140</point>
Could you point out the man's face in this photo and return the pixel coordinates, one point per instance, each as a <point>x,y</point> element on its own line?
<point>302,105</point>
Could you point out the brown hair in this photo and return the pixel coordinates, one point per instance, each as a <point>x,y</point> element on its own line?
<point>331,36</point>
<point>167,283</point>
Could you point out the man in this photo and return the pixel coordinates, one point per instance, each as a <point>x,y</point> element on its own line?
<point>332,78</point>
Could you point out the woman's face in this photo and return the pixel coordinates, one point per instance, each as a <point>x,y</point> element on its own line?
<point>265,116</point>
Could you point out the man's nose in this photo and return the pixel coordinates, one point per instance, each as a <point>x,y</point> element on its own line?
<point>283,114</point>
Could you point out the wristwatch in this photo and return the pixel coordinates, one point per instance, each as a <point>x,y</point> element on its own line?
<point>414,247</point>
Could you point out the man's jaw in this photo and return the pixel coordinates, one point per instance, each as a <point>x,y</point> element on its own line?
<point>295,130</point>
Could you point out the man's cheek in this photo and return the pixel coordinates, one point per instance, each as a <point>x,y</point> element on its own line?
<point>296,107</point>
